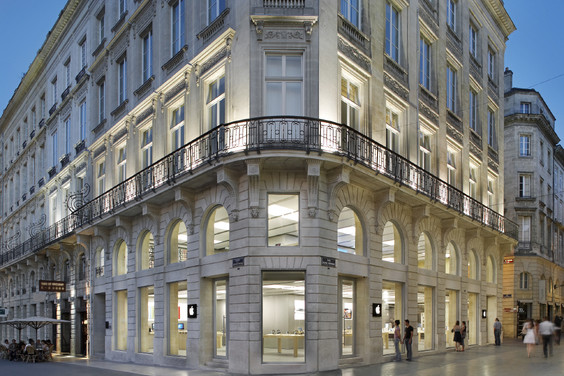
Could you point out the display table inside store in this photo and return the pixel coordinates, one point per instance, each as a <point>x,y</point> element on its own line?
<point>279,337</point>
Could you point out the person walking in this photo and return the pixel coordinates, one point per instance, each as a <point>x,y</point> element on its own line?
<point>408,339</point>
<point>397,340</point>
<point>497,332</point>
<point>529,339</point>
<point>546,330</point>
<point>462,334</point>
<point>457,336</point>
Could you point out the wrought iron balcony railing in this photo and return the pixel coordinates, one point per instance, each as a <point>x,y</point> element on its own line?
<point>268,133</point>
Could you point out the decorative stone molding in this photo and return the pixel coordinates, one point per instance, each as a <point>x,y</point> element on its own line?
<point>354,55</point>
<point>221,54</point>
<point>253,173</point>
<point>313,173</point>
<point>339,178</point>
<point>174,92</point>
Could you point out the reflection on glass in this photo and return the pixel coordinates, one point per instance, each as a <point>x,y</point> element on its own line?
<point>349,314</point>
<point>451,315</point>
<point>472,324</point>
<point>424,253</point>
<point>283,220</point>
<point>472,265</point>
<point>392,310</point>
<point>121,258</point>
<point>147,252</point>
<point>146,319</point>
<point>178,318</point>
<point>220,322</point>
<point>178,243</point>
<point>425,317</point>
<point>349,233</point>
<point>121,320</point>
<point>391,244</point>
<point>451,260</point>
<point>217,231</point>
<point>283,317</point>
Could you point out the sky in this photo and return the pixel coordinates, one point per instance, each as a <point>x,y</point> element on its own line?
<point>535,51</point>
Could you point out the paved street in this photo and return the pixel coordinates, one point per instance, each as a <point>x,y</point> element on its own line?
<point>508,360</point>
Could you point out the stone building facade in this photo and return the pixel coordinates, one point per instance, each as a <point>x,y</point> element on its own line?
<point>262,186</point>
<point>533,198</point>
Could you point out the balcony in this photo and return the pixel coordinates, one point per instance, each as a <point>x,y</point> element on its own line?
<point>32,190</point>
<point>65,93</point>
<point>81,75</point>
<point>293,134</point>
<point>24,144</point>
<point>52,171</point>
<point>80,146</point>
<point>32,134</point>
<point>24,197</point>
<point>41,182</point>
<point>65,159</point>
<point>42,123</point>
<point>51,111</point>
<point>287,4</point>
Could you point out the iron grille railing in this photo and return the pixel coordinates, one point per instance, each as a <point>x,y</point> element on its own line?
<point>268,133</point>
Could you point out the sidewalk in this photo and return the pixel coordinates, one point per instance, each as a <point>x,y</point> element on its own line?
<point>510,359</point>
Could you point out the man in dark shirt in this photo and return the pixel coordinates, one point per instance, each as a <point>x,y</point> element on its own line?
<point>408,338</point>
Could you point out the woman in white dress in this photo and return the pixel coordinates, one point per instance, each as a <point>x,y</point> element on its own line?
<point>529,339</point>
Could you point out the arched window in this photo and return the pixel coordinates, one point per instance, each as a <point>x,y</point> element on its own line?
<point>217,231</point>
<point>472,265</point>
<point>490,270</point>
<point>524,280</point>
<point>451,260</point>
<point>349,233</point>
<point>100,255</point>
<point>82,267</point>
<point>391,244</point>
<point>66,271</point>
<point>147,251</point>
<point>178,243</point>
<point>425,252</point>
<point>120,251</point>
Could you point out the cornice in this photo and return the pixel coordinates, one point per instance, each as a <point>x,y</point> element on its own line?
<point>500,15</point>
<point>537,120</point>
<point>51,42</point>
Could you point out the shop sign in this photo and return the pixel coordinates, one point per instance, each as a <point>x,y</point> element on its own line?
<point>376,309</point>
<point>484,313</point>
<point>330,262</point>
<point>508,260</point>
<point>192,311</point>
<point>52,286</point>
<point>505,296</point>
<point>238,261</point>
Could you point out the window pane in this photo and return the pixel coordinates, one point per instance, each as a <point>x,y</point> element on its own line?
<point>274,65</point>
<point>283,317</point>
<point>177,318</point>
<point>220,321</point>
<point>146,319</point>
<point>274,98</point>
<point>392,310</point>
<point>293,98</point>
<point>283,220</point>
<point>293,66</point>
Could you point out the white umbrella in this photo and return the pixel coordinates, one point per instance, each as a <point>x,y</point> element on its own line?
<point>35,322</point>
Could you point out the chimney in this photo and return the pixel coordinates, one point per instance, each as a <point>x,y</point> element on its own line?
<point>507,80</point>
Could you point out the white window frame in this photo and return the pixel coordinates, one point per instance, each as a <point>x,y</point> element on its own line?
<point>83,120</point>
<point>473,110</point>
<point>122,8</point>
<point>351,13</point>
<point>54,141</point>
<point>491,192</point>
<point>473,40</point>
<point>525,229</point>
<point>525,108</point>
<point>393,31</point>
<point>121,163</point>
<point>147,55</point>
<point>177,127</point>
<point>393,130</point>
<point>101,176</point>
<point>492,128</point>
<point>425,55</point>
<point>101,32</point>
<point>452,87</point>
<point>68,133</point>
<point>215,8</point>
<point>491,63</point>
<point>68,73</point>
<point>451,14</point>
<point>425,149</point>
<point>524,185</point>
<point>350,102</point>
<point>122,80</point>
<point>473,180</point>
<point>54,89</point>
<point>216,102</point>
<point>177,26</point>
<point>452,173</point>
<point>284,80</point>
<point>101,101</point>
<point>83,56</point>
<point>147,147</point>
<point>524,145</point>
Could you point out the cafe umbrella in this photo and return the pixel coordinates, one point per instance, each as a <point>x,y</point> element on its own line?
<point>35,322</point>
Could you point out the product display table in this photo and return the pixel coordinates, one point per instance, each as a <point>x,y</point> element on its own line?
<point>279,337</point>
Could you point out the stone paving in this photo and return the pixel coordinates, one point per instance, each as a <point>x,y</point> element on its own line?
<point>510,359</point>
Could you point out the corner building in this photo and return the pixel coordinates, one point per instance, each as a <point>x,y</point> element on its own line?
<point>534,163</point>
<point>262,186</point>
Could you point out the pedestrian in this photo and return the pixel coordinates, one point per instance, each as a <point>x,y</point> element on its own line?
<point>546,330</point>
<point>462,334</point>
<point>457,335</point>
<point>397,340</point>
<point>497,331</point>
<point>557,327</point>
<point>13,349</point>
<point>529,339</point>
<point>408,338</point>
